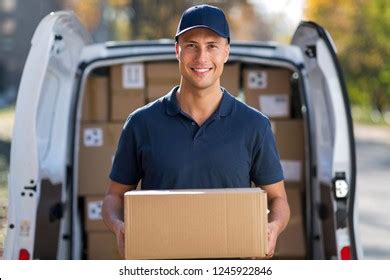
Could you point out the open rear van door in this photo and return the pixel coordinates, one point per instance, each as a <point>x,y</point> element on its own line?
<point>334,169</point>
<point>38,219</point>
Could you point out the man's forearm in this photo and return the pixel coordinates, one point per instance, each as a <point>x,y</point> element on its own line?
<point>279,213</point>
<point>112,211</point>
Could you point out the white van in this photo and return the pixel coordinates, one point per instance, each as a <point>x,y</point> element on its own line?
<point>69,104</point>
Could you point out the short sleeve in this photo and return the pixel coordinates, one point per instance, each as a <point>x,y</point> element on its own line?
<point>125,167</point>
<point>266,168</point>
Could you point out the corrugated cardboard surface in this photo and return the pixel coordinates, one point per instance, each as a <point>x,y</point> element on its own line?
<point>271,85</point>
<point>102,246</point>
<point>98,144</point>
<point>230,78</point>
<point>95,100</point>
<point>289,136</point>
<point>124,100</point>
<point>161,77</point>
<point>291,242</point>
<point>193,224</point>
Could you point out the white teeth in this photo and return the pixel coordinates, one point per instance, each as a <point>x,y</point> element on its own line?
<point>201,70</point>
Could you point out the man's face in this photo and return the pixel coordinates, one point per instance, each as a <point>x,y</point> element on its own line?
<point>201,54</point>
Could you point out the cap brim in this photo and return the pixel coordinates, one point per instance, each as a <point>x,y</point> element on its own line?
<point>201,26</point>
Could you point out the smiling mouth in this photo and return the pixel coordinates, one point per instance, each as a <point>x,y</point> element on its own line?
<point>201,70</point>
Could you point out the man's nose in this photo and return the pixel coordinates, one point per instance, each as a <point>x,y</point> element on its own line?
<point>202,54</point>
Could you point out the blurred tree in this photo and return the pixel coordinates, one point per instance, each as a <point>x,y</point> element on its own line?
<point>361,31</point>
<point>88,11</point>
<point>153,19</point>
<point>244,22</point>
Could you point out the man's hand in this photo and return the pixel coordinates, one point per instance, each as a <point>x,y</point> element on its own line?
<point>272,237</point>
<point>120,238</point>
<point>279,213</point>
<point>112,212</point>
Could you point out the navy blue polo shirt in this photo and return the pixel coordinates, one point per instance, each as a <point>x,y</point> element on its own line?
<point>165,147</point>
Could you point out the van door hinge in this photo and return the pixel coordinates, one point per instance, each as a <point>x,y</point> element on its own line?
<point>341,188</point>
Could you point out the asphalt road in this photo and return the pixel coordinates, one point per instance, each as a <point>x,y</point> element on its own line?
<point>373,190</point>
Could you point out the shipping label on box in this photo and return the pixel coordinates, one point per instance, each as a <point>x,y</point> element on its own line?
<point>94,210</point>
<point>133,76</point>
<point>93,220</point>
<point>292,170</point>
<point>93,137</point>
<point>274,105</point>
<point>257,80</point>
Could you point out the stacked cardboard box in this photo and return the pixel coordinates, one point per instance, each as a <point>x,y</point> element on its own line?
<point>102,246</point>
<point>96,98</point>
<point>98,143</point>
<point>101,243</point>
<point>110,95</point>
<point>291,243</point>
<point>230,78</point>
<point>289,136</point>
<point>127,90</point>
<point>161,78</point>
<point>269,90</point>
<point>97,147</point>
<point>196,224</point>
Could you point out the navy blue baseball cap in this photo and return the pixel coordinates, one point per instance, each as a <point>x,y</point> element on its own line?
<point>205,16</point>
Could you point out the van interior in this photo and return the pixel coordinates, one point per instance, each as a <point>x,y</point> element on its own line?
<point>112,92</point>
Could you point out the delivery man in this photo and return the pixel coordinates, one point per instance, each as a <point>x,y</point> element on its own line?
<point>198,135</point>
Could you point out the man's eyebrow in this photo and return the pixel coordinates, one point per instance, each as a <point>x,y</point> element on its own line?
<point>190,41</point>
<point>196,42</point>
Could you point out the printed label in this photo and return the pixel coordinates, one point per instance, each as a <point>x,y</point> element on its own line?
<point>95,210</point>
<point>257,79</point>
<point>133,76</point>
<point>292,170</point>
<point>274,105</point>
<point>93,137</point>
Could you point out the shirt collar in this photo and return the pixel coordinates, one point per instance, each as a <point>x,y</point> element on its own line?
<point>224,109</point>
<point>172,108</point>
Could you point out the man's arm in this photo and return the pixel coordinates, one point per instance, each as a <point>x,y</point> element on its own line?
<point>112,211</point>
<point>279,213</point>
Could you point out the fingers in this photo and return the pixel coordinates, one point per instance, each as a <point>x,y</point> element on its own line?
<point>120,238</point>
<point>272,236</point>
<point>121,244</point>
<point>122,228</point>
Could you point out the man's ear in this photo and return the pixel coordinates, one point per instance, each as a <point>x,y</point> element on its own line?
<point>227,53</point>
<point>177,50</point>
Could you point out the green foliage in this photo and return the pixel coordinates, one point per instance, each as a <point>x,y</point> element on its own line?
<point>155,19</point>
<point>361,31</point>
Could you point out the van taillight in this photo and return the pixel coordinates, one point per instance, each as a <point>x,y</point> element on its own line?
<point>24,254</point>
<point>346,253</point>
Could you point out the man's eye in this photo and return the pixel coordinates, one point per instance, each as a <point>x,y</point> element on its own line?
<point>213,46</point>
